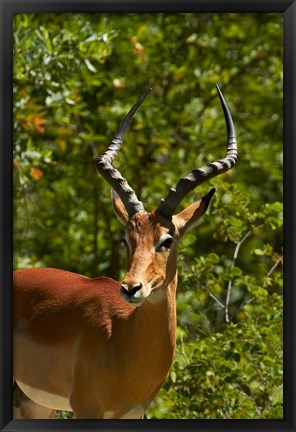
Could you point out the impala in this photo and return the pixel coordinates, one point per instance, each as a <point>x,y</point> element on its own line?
<point>97,347</point>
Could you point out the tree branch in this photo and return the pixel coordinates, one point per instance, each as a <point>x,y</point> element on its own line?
<point>235,255</point>
<point>271,270</point>
<point>217,301</point>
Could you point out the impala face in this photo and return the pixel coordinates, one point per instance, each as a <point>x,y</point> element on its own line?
<point>152,249</point>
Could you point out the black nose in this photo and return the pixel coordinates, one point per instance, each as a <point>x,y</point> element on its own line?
<point>130,291</point>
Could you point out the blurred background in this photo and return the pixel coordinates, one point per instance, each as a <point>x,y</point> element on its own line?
<point>75,78</point>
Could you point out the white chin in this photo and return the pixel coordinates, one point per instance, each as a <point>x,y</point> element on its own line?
<point>136,303</point>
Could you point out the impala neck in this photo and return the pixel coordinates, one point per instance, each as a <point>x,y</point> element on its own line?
<point>153,331</point>
<point>163,308</point>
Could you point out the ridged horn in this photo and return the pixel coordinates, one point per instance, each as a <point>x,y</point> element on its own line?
<point>111,174</point>
<point>196,177</point>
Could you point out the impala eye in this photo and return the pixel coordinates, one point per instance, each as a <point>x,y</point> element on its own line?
<point>166,244</point>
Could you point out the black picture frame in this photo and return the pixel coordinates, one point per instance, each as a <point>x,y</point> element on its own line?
<point>285,7</point>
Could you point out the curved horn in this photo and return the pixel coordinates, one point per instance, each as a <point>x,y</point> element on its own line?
<point>186,184</point>
<point>112,175</point>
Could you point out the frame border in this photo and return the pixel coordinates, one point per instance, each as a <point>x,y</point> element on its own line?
<point>7,9</point>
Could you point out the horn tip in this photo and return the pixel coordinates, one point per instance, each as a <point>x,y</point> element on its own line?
<point>207,198</point>
<point>148,91</point>
<point>211,193</point>
<point>218,90</point>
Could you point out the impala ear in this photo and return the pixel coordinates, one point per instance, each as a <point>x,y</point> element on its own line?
<point>191,215</point>
<point>120,210</point>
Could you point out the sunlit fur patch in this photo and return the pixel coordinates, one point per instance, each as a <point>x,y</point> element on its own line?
<point>44,398</point>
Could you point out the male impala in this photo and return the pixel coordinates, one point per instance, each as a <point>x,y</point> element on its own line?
<point>94,346</point>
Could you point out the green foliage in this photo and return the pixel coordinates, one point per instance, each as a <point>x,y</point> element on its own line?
<point>235,372</point>
<point>75,77</point>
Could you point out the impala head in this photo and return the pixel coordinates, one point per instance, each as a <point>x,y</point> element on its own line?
<point>152,238</point>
